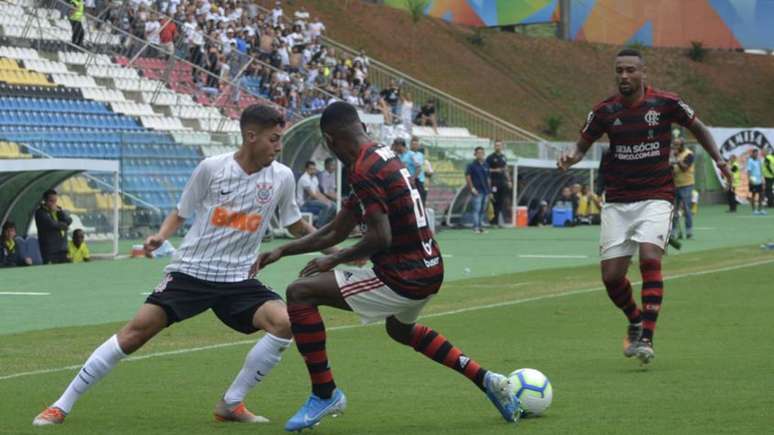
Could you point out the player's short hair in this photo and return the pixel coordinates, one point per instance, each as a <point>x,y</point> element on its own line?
<point>77,231</point>
<point>48,193</point>
<point>309,163</point>
<point>478,148</point>
<point>629,52</point>
<point>338,115</point>
<point>399,141</point>
<point>263,116</point>
<point>329,160</point>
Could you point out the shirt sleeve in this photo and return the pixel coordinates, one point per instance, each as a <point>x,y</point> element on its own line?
<point>688,160</point>
<point>683,114</point>
<point>594,127</point>
<point>369,192</point>
<point>86,253</point>
<point>468,169</point>
<point>286,205</point>
<point>194,191</point>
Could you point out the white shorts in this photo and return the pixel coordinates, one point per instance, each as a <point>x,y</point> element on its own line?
<point>626,225</point>
<point>372,300</point>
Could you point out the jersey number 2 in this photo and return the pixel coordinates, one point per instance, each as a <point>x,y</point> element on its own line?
<point>416,198</point>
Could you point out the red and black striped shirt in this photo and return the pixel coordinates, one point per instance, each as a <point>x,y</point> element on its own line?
<point>412,265</point>
<point>640,137</point>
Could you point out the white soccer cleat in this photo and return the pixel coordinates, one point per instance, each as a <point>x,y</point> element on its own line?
<point>237,413</point>
<point>49,416</point>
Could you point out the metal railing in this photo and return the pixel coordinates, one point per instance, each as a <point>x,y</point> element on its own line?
<point>452,110</point>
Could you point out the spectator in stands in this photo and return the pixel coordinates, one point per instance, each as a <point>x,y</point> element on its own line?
<point>683,169</point>
<point>421,163</point>
<point>76,22</point>
<point>427,116</point>
<point>391,96</point>
<point>500,179</point>
<point>406,111</point>
<point>409,159</point>
<point>152,35</point>
<point>589,207</point>
<point>167,34</point>
<point>477,178</point>
<point>77,249</point>
<point>328,179</point>
<point>52,223</point>
<point>309,198</point>
<point>10,254</point>
<point>767,164</point>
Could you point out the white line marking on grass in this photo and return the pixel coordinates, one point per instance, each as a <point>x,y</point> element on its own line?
<point>145,293</point>
<point>428,316</point>
<point>24,294</point>
<point>703,228</point>
<point>551,256</point>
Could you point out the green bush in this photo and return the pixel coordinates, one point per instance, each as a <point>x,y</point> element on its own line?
<point>697,52</point>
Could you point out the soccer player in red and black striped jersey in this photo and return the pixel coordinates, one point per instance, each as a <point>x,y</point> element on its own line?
<point>639,189</point>
<point>407,272</point>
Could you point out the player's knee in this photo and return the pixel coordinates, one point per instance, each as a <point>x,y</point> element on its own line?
<point>279,326</point>
<point>612,278</point>
<point>297,293</point>
<point>398,331</point>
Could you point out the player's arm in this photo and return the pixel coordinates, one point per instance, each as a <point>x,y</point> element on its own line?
<point>469,181</point>
<point>376,239</point>
<point>575,154</point>
<point>171,224</point>
<point>703,135</point>
<point>310,240</point>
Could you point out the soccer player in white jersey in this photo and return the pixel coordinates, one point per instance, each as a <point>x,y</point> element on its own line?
<point>232,198</point>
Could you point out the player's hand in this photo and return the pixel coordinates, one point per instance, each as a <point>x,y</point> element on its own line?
<point>723,167</point>
<point>474,192</point>
<point>358,263</point>
<point>267,258</point>
<point>318,265</point>
<point>567,159</point>
<point>151,244</point>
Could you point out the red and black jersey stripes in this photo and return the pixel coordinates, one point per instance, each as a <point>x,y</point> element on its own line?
<point>412,265</point>
<point>640,137</point>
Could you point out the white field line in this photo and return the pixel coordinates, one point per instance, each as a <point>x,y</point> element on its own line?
<point>551,256</point>
<point>445,313</point>
<point>24,294</point>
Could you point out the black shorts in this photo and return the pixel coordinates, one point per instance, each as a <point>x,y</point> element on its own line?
<point>183,296</point>
<point>756,188</point>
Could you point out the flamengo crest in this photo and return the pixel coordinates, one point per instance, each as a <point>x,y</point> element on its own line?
<point>651,117</point>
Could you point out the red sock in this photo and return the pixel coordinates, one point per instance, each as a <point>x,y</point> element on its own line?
<point>436,347</point>
<point>309,333</point>
<point>652,294</point>
<point>621,295</point>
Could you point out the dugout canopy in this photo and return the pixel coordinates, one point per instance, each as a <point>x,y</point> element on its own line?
<point>23,182</point>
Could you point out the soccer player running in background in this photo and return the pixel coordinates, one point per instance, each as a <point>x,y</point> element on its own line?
<point>639,189</point>
<point>232,198</point>
<point>407,272</point>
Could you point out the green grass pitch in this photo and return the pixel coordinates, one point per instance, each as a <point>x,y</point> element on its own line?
<point>530,298</point>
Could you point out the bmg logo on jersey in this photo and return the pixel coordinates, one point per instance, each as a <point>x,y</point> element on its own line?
<point>246,222</point>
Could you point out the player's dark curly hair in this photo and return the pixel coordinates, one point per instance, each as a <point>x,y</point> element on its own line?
<point>629,52</point>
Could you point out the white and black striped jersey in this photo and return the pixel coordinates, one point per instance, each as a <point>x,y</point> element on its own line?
<point>231,211</point>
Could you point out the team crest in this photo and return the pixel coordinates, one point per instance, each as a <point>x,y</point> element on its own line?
<point>264,193</point>
<point>651,117</point>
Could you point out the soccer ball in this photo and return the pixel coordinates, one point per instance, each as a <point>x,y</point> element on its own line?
<point>533,389</point>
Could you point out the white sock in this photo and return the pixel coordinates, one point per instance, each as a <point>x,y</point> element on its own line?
<point>259,362</point>
<point>104,358</point>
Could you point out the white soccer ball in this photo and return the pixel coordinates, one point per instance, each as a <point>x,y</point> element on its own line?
<point>533,389</point>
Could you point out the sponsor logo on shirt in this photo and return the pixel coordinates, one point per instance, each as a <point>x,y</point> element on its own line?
<point>637,152</point>
<point>246,222</point>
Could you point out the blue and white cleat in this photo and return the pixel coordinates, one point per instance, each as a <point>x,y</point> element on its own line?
<point>315,409</point>
<point>499,391</point>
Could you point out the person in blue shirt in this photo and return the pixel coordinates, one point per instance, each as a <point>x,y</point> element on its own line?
<point>477,177</point>
<point>755,177</point>
<point>419,161</point>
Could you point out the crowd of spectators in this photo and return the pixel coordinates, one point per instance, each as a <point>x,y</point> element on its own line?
<point>296,69</point>
<point>51,245</point>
